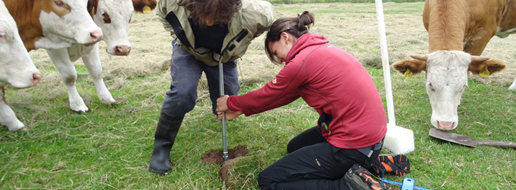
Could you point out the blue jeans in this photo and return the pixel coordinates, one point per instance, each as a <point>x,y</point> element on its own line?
<point>186,72</point>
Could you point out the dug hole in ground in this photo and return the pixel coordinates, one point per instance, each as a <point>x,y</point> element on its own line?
<point>215,157</point>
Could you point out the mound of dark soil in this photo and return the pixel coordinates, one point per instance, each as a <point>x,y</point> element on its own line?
<point>215,157</point>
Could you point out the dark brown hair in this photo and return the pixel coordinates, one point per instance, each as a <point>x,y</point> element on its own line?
<point>202,9</point>
<point>296,26</point>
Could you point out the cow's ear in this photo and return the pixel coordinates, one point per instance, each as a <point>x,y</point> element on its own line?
<point>144,6</point>
<point>484,67</point>
<point>413,66</point>
<point>420,57</point>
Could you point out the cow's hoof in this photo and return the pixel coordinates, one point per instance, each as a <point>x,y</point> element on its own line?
<point>81,111</point>
<point>109,101</point>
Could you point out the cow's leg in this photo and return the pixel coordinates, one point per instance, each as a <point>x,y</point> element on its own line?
<point>477,46</point>
<point>7,116</point>
<point>64,65</point>
<point>92,62</point>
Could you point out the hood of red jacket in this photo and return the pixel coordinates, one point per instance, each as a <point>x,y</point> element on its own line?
<point>303,42</point>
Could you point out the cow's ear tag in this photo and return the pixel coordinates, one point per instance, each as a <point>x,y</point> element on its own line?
<point>484,73</point>
<point>408,74</point>
<point>146,9</point>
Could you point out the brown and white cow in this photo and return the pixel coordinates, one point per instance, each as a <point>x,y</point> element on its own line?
<point>113,17</point>
<point>60,27</point>
<point>50,24</point>
<point>53,24</point>
<point>458,31</point>
<point>16,67</point>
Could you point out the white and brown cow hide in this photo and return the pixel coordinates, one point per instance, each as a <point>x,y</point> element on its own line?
<point>458,32</point>
<point>16,67</point>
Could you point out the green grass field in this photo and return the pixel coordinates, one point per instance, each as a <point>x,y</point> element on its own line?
<point>110,147</point>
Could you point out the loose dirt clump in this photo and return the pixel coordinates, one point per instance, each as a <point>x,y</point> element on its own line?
<point>215,157</point>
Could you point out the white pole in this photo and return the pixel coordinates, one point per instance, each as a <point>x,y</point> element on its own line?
<point>385,62</point>
<point>398,139</point>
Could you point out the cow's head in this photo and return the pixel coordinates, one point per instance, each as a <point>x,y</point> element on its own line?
<point>113,16</point>
<point>16,66</point>
<point>446,80</point>
<point>65,22</point>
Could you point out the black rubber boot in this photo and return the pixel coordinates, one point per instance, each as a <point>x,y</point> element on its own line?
<point>163,140</point>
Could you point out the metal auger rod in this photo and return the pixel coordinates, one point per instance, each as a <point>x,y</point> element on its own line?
<point>221,90</point>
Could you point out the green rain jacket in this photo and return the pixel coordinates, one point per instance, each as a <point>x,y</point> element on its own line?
<point>254,18</point>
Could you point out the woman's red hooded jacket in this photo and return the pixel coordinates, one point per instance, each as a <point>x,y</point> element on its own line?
<point>330,80</point>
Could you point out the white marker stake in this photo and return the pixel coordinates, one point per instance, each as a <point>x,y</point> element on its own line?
<point>398,139</point>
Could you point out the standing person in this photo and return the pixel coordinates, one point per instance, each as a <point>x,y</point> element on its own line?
<point>205,32</point>
<point>352,125</point>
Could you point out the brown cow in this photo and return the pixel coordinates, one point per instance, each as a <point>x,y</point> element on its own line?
<point>458,29</point>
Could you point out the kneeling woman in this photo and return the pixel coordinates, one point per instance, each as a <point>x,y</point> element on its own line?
<point>352,121</point>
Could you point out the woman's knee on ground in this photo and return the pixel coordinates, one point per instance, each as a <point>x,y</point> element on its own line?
<point>264,180</point>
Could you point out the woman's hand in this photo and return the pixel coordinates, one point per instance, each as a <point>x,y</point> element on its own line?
<point>230,115</point>
<point>222,106</point>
